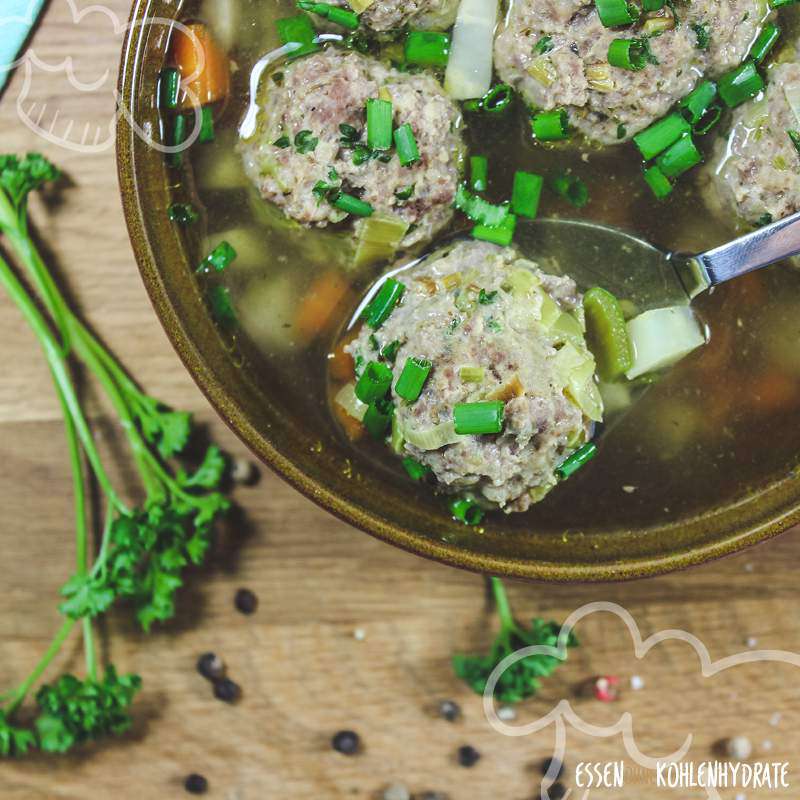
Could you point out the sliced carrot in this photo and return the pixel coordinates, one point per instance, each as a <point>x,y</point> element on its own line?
<point>204,66</point>
<point>317,309</point>
<point>352,428</point>
<point>341,366</point>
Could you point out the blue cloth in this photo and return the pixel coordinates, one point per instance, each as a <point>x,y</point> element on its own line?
<point>17,17</point>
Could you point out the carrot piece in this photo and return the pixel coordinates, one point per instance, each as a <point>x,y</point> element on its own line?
<point>341,366</point>
<point>352,428</point>
<point>204,67</point>
<point>316,310</point>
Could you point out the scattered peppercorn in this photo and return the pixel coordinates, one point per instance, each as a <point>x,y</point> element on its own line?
<point>739,748</point>
<point>227,690</point>
<point>449,710</point>
<point>244,472</point>
<point>211,666</point>
<point>606,688</point>
<point>195,784</point>
<point>346,742</point>
<point>554,766</point>
<point>397,791</point>
<point>429,795</point>
<point>245,601</point>
<point>468,756</point>
<point>557,791</point>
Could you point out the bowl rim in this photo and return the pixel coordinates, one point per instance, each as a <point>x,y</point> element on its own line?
<point>236,419</point>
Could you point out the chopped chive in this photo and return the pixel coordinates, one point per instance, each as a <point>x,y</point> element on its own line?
<point>297,30</point>
<point>389,351</point>
<point>740,84</point>
<point>206,125</point>
<point>412,379</point>
<point>169,82</point>
<point>695,105</point>
<point>218,259</point>
<point>660,135</point>
<point>406,144</point>
<point>479,418</point>
<point>415,470</point>
<point>305,141</point>
<point>183,213</point>
<point>794,136</point>
<point>219,301</point>
<point>283,142</point>
<point>427,48</point>
<point>652,5</point>
<point>543,45</point>
<point>497,99</point>
<point>339,16</point>
<point>708,121</point>
<point>379,124</point>
<point>467,511</point>
<point>551,126</point>
<point>353,205</point>
<point>630,54</point>
<point>378,417</point>
<point>578,459</point>
<point>765,42</point>
<point>478,173</point>
<point>502,234</point>
<point>614,13</point>
<point>571,188</point>
<point>526,194</point>
<point>658,182</point>
<point>382,305</point>
<point>177,138</point>
<point>486,298</point>
<point>679,158</point>
<point>478,209</point>
<point>471,374</point>
<point>374,383</point>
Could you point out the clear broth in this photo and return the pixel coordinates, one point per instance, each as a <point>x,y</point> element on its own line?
<point>719,426</point>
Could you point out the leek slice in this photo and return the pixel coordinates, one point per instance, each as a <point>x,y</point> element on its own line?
<point>379,238</point>
<point>360,6</point>
<point>433,438</point>
<point>346,398</point>
<point>469,68</point>
<point>662,337</point>
<point>792,93</point>
<point>521,282</point>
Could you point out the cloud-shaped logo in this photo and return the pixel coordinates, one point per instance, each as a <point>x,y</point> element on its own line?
<point>66,122</point>
<point>564,714</point>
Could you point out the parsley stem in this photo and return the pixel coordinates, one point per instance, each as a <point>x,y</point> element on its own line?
<point>21,692</point>
<point>501,601</point>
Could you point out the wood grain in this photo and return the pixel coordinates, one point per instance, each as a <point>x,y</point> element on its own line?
<point>303,673</point>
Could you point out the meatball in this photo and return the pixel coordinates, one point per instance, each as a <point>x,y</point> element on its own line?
<point>754,172</point>
<point>313,98</point>
<point>520,331</point>
<point>555,52</point>
<point>386,15</point>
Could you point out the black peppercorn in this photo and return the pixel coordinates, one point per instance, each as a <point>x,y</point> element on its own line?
<point>449,710</point>
<point>557,791</point>
<point>346,742</point>
<point>245,601</point>
<point>195,784</point>
<point>227,690</point>
<point>468,756</point>
<point>210,666</point>
<point>553,768</point>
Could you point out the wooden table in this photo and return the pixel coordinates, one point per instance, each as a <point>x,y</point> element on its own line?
<point>304,673</point>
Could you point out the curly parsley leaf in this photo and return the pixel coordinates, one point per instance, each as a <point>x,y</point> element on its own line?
<point>14,741</point>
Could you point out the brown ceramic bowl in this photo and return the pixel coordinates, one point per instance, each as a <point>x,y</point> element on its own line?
<point>306,449</point>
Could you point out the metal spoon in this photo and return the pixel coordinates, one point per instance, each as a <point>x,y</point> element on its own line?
<point>631,268</point>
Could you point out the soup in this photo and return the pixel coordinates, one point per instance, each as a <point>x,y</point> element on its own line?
<point>717,424</point>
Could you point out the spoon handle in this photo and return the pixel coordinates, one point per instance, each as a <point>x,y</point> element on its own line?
<point>758,249</point>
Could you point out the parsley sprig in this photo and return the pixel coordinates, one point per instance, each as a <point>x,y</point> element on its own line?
<point>143,549</point>
<point>523,678</point>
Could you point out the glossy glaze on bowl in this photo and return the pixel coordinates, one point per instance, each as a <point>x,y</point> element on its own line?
<point>305,449</point>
